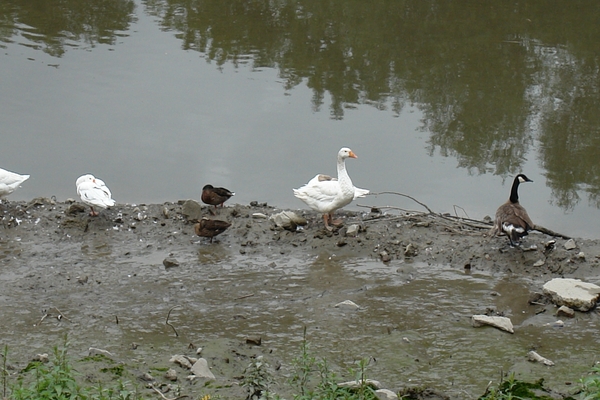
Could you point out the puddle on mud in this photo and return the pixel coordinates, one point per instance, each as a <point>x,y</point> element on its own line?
<point>413,321</point>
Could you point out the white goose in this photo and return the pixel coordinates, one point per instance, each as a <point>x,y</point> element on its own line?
<point>325,194</point>
<point>9,181</point>
<point>358,192</point>
<point>94,192</point>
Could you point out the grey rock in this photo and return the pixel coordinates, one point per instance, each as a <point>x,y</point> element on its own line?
<point>75,209</point>
<point>288,220</point>
<point>200,369</point>
<point>348,305</point>
<point>192,210</point>
<point>411,250</point>
<point>93,351</point>
<point>170,262</point>
<point>385,256</point>
<point>565,311</point>
<point>502,323</point>
<point>573,293</point>
<point>353,230</point>
<point>539,263</point>
<point>171,375</point>
<point>147,377</point>
<point>255,340</point>
<point>570,244</point>
<point>181,360</point>
<point>41,358</point>
<point>386,394</point>
<point>533,356</point>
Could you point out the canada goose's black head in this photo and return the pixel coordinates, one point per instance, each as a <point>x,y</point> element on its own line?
<point>522,178</point>
<point>514,195</point>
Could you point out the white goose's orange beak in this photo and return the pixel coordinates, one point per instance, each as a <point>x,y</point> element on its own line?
<point>352,155</point>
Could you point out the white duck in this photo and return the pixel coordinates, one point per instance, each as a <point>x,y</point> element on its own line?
<point>9,181</point>
<point>94,192</point>
<point>325,194</point>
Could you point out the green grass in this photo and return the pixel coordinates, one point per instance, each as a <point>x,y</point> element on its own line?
<point>57,380</point>
<point>590,385</point>
<point>311,378</point>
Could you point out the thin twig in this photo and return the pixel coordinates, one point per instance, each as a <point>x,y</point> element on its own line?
<point>164,397</point>
<point>61,315</point>
<point>456,219</point>
<point>43,318</point>
<point>167,321</point>
<point>455,213</point>
<point>392,208</point>
<point>410,197</point>
<point>243,297</point>
<point>549,232</point>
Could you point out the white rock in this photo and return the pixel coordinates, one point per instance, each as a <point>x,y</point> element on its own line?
<point>288,220</point>
<point>347,304</point>
<point>41,358</point>
<point>352,230</point>
<point>259,216</point>
<point>356,384</point>
<point>171,375</point>
<point>385,394</point>
<point>572,293</point>
<point>533,356</point>
<point>539,263</point>
<point>570,244</point>
<point>201,370</point>
<point>181,360</point>
<point>199,350</point>
<point>93,351</point>
<point>502,323</point>
<point>192,360</point>
<point>566,311</point>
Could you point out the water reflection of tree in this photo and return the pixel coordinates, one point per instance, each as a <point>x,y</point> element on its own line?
<point>490,78</point>
<point>480,73</point>
<point>54,25</point>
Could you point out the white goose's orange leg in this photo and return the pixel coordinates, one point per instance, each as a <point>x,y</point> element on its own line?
<point>326,218</point>
<point>337,222</point>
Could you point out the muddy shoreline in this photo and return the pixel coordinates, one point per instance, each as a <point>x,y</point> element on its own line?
<point>106,278</point>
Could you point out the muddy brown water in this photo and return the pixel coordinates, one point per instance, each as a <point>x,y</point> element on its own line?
<point>106,277</point>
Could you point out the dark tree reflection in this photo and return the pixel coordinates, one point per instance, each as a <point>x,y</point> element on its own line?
<point>52,26</point>
<point>492,79</point>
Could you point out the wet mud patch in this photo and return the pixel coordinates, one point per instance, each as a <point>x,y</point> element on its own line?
<point>415,281</point>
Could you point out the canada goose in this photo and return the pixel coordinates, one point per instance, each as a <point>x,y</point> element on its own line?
<point>210,227</point>
<point>94,192</point>
<point>215,195</point>
<point>9,181</point>
<point>511,217</point>
<point>325,194</point>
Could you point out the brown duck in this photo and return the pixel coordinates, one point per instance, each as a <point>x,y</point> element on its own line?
<point>210,227</point>
<point>511,218</point>
<point>215,196</point>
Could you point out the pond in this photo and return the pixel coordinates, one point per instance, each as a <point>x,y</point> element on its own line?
<point>444,101</point>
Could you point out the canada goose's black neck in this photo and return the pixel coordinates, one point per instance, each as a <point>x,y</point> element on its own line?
<point>514,195</point>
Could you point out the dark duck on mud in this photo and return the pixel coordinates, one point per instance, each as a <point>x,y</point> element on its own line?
<point>511,217</point>
<point>210,227</point>
<point>215,196</point>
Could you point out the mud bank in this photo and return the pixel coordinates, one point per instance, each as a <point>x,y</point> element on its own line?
<point>106,279</point>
